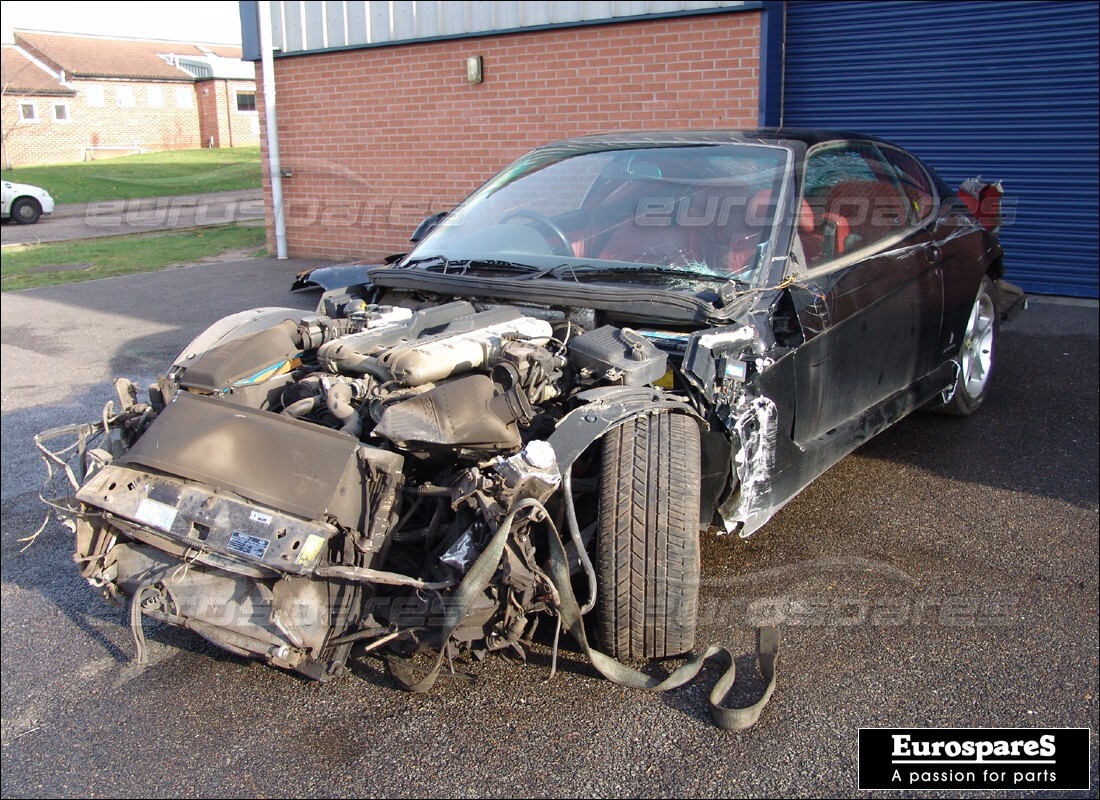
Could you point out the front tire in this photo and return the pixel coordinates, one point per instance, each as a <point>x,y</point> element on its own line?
<point>976,354</point>
<point>26,211</point>
<point>648,542</point>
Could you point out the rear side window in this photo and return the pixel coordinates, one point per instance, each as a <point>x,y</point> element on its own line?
<point>829,167</point>
<point>915,182</point>
<point>857,201</point>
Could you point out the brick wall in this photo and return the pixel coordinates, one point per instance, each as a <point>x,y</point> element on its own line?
<point>221,120</point>
<point>163,117</point>
<point>379,138</point>
<point>210,97</point>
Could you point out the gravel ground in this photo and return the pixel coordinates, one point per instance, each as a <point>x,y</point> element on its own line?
<point>945,574</point>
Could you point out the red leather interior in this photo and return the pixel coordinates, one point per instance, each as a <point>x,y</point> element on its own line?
<point>835,228</point>
<point>696,227</point>
<point>703,224</point>
<point>872,209</point>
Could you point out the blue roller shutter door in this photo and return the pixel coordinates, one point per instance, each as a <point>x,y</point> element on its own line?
<point>1007,90</point>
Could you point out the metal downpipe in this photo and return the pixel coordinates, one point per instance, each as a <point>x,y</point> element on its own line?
<point>275,166</point>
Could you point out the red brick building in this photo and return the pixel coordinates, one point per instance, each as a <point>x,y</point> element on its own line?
<point>227,111</point>
<point>71,97</point>
<point>376,139</point>
<point>379,123</point>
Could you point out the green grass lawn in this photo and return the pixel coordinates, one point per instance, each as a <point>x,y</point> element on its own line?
<point>22,266</point>
<point>148,175</point>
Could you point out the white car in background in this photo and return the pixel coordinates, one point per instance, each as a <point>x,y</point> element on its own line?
<point>25,203</point>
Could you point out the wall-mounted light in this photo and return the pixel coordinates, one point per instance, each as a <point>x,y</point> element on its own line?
<point>473,69</point>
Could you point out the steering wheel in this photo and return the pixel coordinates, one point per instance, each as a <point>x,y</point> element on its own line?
<point>555,236</point>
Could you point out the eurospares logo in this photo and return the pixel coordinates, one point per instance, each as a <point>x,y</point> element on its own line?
<point>1029,759</point>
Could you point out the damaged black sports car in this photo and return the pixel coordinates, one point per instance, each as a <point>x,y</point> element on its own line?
<point>616,345</point>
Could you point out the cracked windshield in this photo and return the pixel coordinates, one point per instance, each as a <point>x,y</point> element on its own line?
<point>703,212</point>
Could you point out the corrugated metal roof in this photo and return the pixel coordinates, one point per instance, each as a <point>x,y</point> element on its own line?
<point>300,26</point>
<point>215,67</point>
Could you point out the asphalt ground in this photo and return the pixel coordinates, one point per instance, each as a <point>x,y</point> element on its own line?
<point>945,574</point>
<point>141,215</point>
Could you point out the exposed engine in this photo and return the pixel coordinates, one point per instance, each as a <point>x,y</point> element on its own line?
<point>299,483</point>
<point>448,376</point>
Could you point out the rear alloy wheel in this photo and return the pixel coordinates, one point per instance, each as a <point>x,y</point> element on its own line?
<point>26,211</point>
<point>976,355</point>
<point>648,542</point>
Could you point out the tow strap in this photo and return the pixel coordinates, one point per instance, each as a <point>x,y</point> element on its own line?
<point>480,575</point>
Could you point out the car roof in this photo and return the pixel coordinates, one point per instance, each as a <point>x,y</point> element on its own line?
<point>808,137</point>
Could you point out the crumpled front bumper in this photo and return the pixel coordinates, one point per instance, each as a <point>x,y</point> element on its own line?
<point>221,530</point>
<point>217,518</point>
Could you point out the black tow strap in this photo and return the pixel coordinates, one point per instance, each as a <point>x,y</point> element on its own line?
<point>481,573</point>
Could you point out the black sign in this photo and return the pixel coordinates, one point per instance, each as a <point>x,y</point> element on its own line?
<point>1018,759</point>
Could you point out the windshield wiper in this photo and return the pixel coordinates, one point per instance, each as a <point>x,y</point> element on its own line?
<point>448,266</point>
<point>463,265</point>
<point>647,270</point>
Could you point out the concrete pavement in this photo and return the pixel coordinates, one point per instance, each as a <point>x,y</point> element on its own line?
<point>943,575</point>
<point>140,215</point>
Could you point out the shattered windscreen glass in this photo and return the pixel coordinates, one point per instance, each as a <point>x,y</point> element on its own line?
<point>641,213</point>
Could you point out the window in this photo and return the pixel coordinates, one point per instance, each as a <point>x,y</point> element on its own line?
<point>61,112</point>
<point>95,97</point>
<point>856,199</point>
<point>124,96</point>
<point>246,101</point>
<point>154,96</point>
<point>701,209</point>
<point>918,187</point>
<point>185,96</point>
<point>28,112</point>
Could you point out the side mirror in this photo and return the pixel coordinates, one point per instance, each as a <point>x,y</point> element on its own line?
<point>427,226</point>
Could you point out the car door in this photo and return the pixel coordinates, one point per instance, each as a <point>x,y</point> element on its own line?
<point>871,300</point>
<point>965,251</point>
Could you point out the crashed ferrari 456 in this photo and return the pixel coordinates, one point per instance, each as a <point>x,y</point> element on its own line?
<point>613,347</point>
